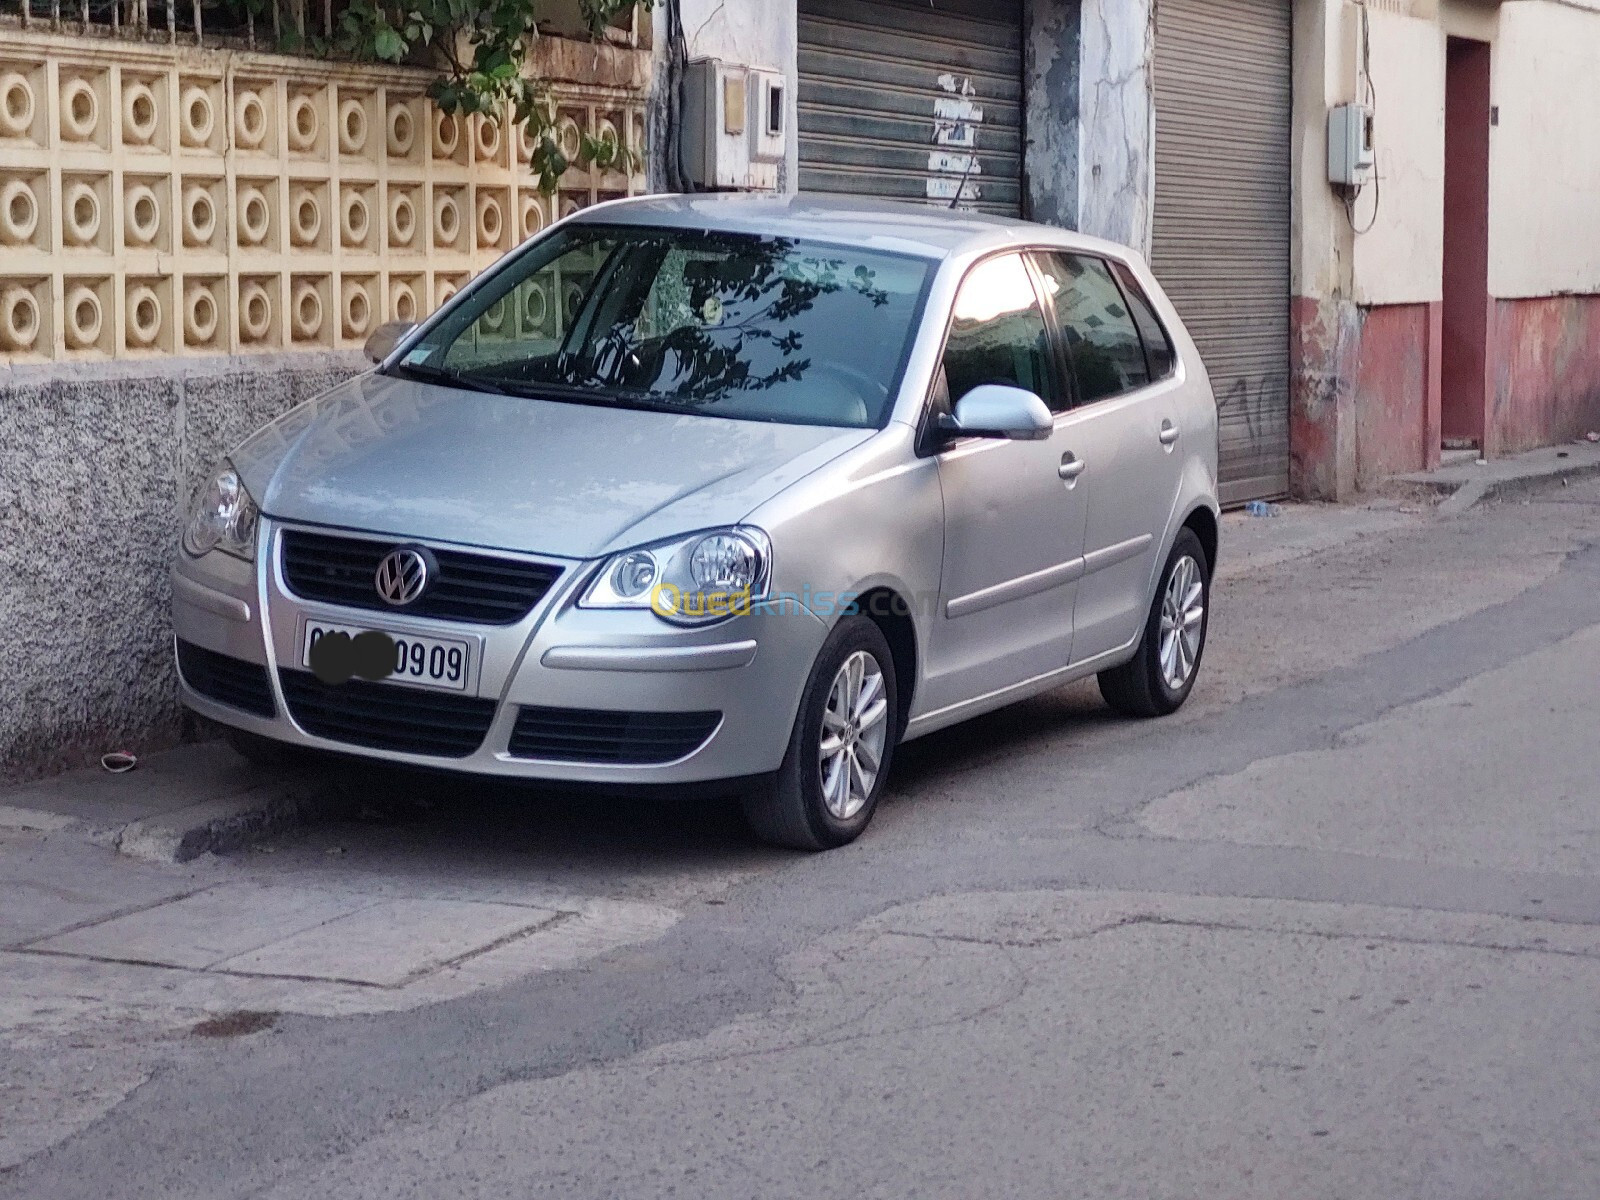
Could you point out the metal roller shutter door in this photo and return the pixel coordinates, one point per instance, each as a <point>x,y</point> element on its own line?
<point>895,96</point>
<point>1221,236</point>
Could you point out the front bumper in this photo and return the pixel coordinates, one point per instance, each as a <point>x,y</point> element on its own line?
<point>558,658</point>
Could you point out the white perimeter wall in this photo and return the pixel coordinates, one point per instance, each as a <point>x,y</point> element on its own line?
<point>1544,185</point>
<point>1400,258</point>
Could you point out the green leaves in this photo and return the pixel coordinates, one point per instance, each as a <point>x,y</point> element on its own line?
<point>481,53</point>
<point>389,45</point>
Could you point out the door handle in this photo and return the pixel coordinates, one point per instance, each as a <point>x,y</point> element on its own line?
<point>1071,466</point>
<point>1168,434</point>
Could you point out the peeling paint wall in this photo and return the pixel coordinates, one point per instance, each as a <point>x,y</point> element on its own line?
<point>1393,392</point>
<point>1050,158</point>
<point>1546,371</point>
<point>1117,121</point>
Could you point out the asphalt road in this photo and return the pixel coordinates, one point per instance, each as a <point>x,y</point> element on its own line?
<point>1333,931</point>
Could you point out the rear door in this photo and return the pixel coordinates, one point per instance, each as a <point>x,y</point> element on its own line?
<point>1126,428</point>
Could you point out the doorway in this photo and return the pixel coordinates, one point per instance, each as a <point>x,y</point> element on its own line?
<point>1464,316</point>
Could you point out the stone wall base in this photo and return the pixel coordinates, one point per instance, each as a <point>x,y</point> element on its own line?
<point>97,467</point>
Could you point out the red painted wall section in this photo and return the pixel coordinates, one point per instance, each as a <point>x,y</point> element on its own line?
<point>1366,395</point>
<point>1392,393</point>
<point>1546,385</point>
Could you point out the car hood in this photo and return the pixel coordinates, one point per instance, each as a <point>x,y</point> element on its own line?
<point>572,480</point>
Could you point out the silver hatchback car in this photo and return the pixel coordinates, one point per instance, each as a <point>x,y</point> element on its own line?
<point>721,489</point>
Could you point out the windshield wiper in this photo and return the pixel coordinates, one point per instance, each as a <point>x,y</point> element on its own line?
<point>595,395</point>
<point>448,377</point>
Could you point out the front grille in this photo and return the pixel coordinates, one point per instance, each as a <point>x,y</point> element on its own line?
<point>386,716</point>
<point>480,588</point>
<point>603,736</point>
<point>226,680</point>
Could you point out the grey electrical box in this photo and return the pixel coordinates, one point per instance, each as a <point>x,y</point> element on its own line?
<point>1350,155</point>
<point>734,125</point>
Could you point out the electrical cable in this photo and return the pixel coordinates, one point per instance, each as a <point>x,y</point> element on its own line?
<point>1372,104</point>
<point>677,59</point>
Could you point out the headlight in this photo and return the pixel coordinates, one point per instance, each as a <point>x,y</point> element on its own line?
<point>223,517</point>
<point>689,581</point>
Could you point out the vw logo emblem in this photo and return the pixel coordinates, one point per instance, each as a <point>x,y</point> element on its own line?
<point>403,575</point>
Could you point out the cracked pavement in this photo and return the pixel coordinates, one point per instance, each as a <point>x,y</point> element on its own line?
<point>1332,931</point>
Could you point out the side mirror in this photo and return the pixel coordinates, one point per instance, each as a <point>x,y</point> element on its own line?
<point>993,410</point>
<point>382,340</point>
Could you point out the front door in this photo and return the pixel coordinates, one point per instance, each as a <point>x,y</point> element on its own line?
<point>1128,430</point>
<point>1014,513</point>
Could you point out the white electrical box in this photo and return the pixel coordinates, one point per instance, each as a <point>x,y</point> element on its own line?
<point>734,125</point>
<point>1350,155</point>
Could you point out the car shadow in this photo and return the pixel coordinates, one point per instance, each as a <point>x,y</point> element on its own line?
<point>416,824</point>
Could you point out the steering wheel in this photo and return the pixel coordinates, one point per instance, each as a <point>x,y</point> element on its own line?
<point>614,349</point>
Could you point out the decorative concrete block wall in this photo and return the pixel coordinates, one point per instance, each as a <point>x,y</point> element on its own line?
<point>191,242</point>
<point>161,200</point>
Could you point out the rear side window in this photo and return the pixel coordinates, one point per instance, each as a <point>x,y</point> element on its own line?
<point>1157,345</point>
<point>997,332</point>
<point>1102,340</point>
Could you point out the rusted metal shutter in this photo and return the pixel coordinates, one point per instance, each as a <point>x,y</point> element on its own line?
<point>1221,236</point>
<point>913,101</point>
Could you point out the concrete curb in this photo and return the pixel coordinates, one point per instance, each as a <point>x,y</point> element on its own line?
<point>1468,486</point>
<point>218,823</point>
<point>217,826</point>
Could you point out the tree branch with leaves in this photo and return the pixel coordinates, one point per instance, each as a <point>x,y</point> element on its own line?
<point>481,52</point>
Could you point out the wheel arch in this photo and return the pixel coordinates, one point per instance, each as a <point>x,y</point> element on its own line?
<point>891,613</point>
<point>1204,522</point>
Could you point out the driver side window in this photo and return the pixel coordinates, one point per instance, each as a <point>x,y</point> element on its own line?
<point>526,324</point>
<point>997,334</point>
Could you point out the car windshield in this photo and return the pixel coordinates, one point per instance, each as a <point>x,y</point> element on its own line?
<point>730,325</point>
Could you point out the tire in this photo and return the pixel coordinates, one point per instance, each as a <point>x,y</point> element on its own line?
<point>1140,687</point>
<point>796,809</point>
<point>264,752</point>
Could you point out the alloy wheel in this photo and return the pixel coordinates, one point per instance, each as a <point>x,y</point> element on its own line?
<point>855,727</point>
<point>1183,611</point>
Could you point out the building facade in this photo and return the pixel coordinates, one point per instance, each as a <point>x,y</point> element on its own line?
<point>1351,332</point>
<point>1456,302</point>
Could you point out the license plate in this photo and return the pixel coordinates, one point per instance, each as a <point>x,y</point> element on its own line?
<point>424,661</point>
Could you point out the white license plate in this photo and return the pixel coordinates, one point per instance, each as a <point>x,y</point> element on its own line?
<point>424,661</point>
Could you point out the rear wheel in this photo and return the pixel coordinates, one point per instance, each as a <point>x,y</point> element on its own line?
<point>839,753</point>
<point>1161,674</point>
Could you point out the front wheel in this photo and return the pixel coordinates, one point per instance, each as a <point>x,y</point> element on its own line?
<point>839,753</point>
<point>1161,674</point>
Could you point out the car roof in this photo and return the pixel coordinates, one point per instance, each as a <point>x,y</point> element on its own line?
<point>922,229</point>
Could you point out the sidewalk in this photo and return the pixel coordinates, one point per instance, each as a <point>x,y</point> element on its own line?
<point>175,806</point>
<point>1472,480</point>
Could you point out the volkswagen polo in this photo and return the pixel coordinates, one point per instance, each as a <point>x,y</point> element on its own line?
<point>721,490</point>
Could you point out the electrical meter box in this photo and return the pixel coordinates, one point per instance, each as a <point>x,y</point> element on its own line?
<point>734,126</point>
<point>1350,156</point>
